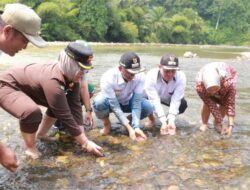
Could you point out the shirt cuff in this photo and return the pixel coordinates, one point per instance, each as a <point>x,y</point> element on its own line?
<point>163,119</point>
<point>124,120</point>
<point>171,118</point>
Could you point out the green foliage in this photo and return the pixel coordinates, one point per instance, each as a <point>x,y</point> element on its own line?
<point>32,3</point>
<point>93,19</point>
<point>129,31</point>
<point>55,21</point>
<point>152,38</point>
<point>155,19</point>
<point>166,21</point>
<point>176,6</point>
<point>245,39</point>
<point>4,2</point>
<point>113,22</point>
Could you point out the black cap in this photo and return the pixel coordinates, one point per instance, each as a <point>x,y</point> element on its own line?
<point>80,52</point>
<point>169,62</point>
<point>131,62</point>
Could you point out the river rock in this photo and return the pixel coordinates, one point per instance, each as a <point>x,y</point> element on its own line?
<point>189,54</point>
<point>243,56</point>
<point>173,187</point>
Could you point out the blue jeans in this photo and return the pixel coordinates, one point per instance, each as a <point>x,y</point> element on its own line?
<point>102,109</point>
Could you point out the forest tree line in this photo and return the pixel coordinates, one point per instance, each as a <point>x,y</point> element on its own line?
<point>151,21</point>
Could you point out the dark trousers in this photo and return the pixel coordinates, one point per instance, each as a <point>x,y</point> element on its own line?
<point>183,105</point>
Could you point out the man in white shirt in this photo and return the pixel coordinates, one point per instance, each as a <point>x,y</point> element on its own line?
<point>166,85</point>
<point>122,92</point>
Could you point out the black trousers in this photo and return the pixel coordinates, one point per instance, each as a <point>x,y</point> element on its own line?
<point>183,105</point>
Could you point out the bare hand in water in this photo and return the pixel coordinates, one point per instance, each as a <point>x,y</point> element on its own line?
<point>168,129</point>
<point>8,158</point>
<point>139,135</point>
<point>226,130</point>
<point>90,146</point>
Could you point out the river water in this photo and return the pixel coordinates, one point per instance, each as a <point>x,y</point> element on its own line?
<point>189,160</point>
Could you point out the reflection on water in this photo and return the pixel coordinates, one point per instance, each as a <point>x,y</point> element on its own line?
<point>189,160</point>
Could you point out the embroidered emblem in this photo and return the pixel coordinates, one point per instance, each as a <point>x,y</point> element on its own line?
<point>172,62</point>
<point>135,63</point>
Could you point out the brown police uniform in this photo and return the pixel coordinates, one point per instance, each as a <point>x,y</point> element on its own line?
<point>22,89</point>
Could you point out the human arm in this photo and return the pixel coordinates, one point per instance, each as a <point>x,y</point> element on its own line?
<point>230,106</point>
<point>137,134</point>
<point>154,88</point>
<point>136,110</point>
<point>153,95</point>
<point>134,134</point>
<point>68,111</point>
<point>227,130</point>
<point>86,101</point>
<point>89,145</point>
<point>8,158</point>
<point>111,90</point>
<point>179,85</point>
<point>66,107</point>
<point>213,108</point>
<point>116,109</point>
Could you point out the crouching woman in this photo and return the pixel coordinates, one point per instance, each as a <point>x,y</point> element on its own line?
<point>23,89</point>
<point>216,86</point>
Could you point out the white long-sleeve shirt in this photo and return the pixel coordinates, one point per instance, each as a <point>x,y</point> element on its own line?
<point>114,86</point>
<point>118,91</point>
<point>170,92</point>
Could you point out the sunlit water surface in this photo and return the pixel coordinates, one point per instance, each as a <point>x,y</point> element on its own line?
<point>189,160</point>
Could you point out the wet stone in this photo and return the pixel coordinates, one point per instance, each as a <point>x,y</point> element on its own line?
<point>173,187</point>
<point>200,182</point>
<point>190,160</point>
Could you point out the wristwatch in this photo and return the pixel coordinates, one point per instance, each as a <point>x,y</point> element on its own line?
<point>89,109</point>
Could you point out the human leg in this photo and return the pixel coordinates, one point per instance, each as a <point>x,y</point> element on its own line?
<point>27,111</point>
<point>183,106</point>
<point>102,109</point>
<point>147,111</point>
<point>44,127</point>
<point>30,142</point>
<point>226,129</point>
<point>106,126</point>
<point>205,113</point>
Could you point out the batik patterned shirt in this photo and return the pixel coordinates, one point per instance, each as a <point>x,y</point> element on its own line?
<point>225,96</point>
